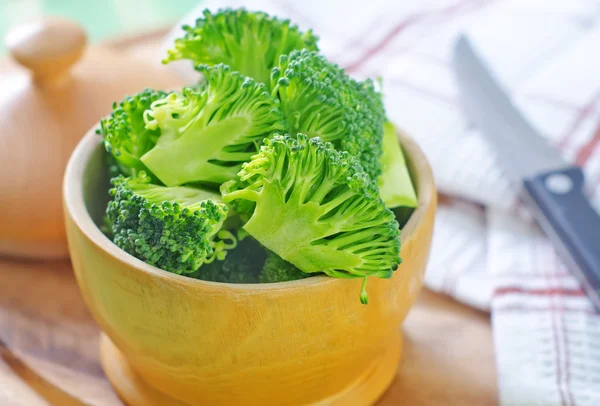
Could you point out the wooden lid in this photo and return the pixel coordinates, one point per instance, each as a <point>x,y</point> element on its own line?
<point>48,103</point>
<point>48,48</point>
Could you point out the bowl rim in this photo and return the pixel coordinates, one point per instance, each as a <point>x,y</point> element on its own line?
<point>76,209</point>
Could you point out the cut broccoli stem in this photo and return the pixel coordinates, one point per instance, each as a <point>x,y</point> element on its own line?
<point>395,184</point>
<point>206,135</point>
<point>291,236</point>
<point>316,208</point>
<point>185,196</point>
<point>198,155</point>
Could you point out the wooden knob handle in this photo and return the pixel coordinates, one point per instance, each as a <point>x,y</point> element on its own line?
<point>47,47</point>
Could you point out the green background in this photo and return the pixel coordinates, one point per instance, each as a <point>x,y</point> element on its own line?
<point>101,18</point>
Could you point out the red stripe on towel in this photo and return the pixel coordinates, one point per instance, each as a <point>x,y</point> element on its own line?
<point>586,151</point>
<point>543,309</point>
<point>583,113</point>
<point>507,290</point>
<point>406,23</point>
<point>557,351</point>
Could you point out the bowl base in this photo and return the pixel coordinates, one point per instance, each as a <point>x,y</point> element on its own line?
<point>133,390</point>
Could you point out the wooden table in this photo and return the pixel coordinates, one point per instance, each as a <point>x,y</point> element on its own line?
<point>53,344</point>
<point>51,353</point>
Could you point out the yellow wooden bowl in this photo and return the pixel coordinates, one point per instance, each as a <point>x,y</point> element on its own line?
<point>173,340</point>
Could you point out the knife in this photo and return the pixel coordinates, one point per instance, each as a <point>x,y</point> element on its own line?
<point>552,188</point>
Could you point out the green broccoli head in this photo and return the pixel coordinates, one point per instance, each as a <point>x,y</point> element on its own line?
<point>125,134</point>
<point>174,228</point>
<point>205,135</point>
<point>368,102</point>
<point>316,208</point>
<point>320,100</point>
<point>249,42</point>
<point>276,269</point>
<point>242,264</point>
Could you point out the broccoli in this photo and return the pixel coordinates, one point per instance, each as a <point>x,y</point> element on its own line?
<point>174,228</point>
<point>241,265</point>
<point>112,165</point>
<point>395,186</point>
<point>277,269</point>
<point>249,262</point>
<point>206,135</point>
<point>369,103</point>
<point>125,134</point>
<point>249,42</point>
<point>317,209</point>
<point>320,100</point>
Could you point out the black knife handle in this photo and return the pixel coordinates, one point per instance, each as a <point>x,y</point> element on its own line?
<point>566,216</point>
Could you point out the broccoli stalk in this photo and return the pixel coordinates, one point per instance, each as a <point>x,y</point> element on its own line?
<point>395,186</point>
<point>124,132</point>
<point>206,135</point>
<point>318,99</point>
<point>248,42</point>
<point>174,228</point>
<point>316,208</point>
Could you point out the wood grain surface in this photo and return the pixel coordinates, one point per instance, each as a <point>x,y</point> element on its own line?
<point>53,346</point>
<point>49,341</point>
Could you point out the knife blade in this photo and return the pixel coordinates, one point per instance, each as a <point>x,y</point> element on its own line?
<point>551,187</point>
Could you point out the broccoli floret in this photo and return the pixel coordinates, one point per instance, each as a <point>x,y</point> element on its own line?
<point>395,186</point>
<point>125,134</point>
<point>317,209</point>
<point>369,104</point>
<point>276,269</point>
<point>112,165</point>
<point>320,100</point>
<point>248,42</point>
<point>241,265</point>
<point>206,135</point>
<point>174,228</point>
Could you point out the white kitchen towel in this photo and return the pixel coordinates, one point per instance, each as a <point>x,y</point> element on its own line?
<point>546,331</point>
<point>486,251</point>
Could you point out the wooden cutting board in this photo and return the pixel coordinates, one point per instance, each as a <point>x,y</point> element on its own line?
<point>50,351</point>
<point>53,346</point>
